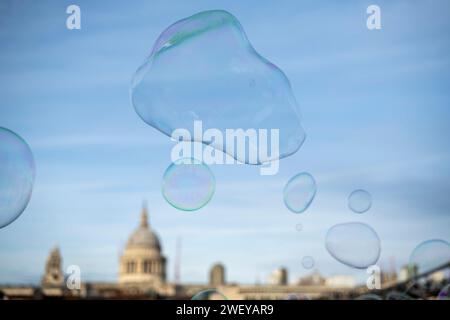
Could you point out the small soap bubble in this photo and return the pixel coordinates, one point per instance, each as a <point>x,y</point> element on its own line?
<point>354,244</point>
<point>299,192</point>
<point>359,201</point>
<point>429,255</point>
<point>299,227</point>
<point>203,68</point>
<point>308,262</point>
<point>17,173</point>
<point>209,294</point>
<point>188,184</point>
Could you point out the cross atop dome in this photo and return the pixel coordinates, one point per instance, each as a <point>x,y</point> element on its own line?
<point>144,215</point>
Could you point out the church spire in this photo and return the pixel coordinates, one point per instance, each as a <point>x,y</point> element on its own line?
<point>144,215</point>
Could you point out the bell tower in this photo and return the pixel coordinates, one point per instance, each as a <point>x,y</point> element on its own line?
<point>53,276</point>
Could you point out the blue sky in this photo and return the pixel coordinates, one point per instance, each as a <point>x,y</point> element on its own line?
<point>375,107</point>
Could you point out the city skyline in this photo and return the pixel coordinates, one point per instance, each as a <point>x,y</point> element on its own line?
<point>374,107</point>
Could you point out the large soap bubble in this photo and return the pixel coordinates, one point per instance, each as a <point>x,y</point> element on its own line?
<point>354,244</point>
<point>429,255</point>
<point>188,184</point>
<point>299,192</point>
<point>16,176</point>
<point>203,68</point>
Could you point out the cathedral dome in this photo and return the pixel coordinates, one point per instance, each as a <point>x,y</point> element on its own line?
<point>142,260</point>
<point>143,236</point>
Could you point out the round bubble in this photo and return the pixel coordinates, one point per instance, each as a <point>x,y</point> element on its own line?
<point>299,192</point>
<point>429,255</point>
<point>209,294</point>
<point>308,262</point>
<point>354,244</point>
<point>369,296</point>
<point>188,184</point>
<point>17,172</point>
<point>204,72</point>
<point>299,227</point>
<point>444,294</point>
<point>359,201</point>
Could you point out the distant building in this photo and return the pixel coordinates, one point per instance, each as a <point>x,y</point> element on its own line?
<point>403,274</point>
<point>407,272</point>
<point>53,275</point>
<point>388,278</point>
<point>340,281</point>
<point>278,277</point>
<point>314,279</point>
<point>217,275</point>
<point>53,279</point>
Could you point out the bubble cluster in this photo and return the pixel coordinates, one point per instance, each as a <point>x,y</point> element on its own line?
<point>429,255</point>
<point>203,68</point>
<point>359,201</point>
<point>209,294</point>
<point>17,172</point>
<point>188,184</point>
<point>308,262</point>
<point>354,244</point>
<point>299,192</point>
